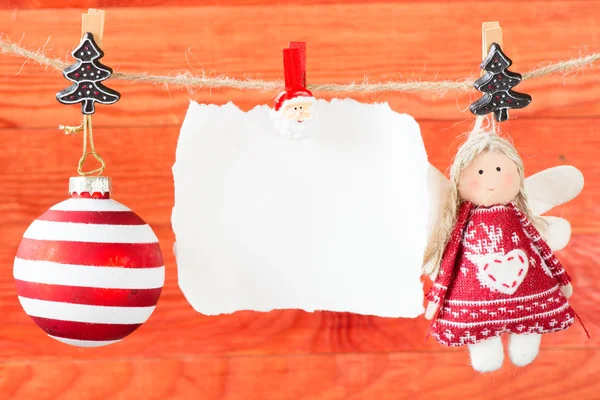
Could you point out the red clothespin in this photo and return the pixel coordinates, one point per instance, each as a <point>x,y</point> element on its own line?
<point>293,107</point>
<point>294,68</point>
<point>301,46</point>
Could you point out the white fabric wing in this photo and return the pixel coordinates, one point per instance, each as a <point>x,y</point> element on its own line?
<point>552,187</point>
<point>558,232</point>
<point>336,222</point>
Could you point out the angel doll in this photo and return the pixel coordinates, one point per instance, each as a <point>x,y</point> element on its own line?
<point>493,272</point>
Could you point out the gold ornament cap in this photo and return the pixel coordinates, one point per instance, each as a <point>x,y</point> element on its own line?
<point>90,184</point>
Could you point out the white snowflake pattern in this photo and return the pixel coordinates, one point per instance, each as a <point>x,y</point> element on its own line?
<point>515,238</point>
<point>449,334</point>
<point>542,262</point>
<point>467,338</point>
<point>537,327</point>
<point>568,321</point>
<point>478,249</point>
<point>532,261</point>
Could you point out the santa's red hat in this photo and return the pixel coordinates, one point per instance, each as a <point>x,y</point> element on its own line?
<point>294,65</point>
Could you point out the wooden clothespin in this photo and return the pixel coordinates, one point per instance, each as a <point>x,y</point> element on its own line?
<point>496,81</point>
<point>292,68</point>
<point>491,33</point>
<point>88,73</point>
<point>93,22</point>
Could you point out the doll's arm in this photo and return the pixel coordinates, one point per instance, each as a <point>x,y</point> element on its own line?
<point>549,258</point>
<point>444,277</point>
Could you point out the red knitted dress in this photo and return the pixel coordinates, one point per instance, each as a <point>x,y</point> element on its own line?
<point>497,275</point>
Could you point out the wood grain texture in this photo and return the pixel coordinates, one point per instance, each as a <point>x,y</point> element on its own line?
<point>286,354</point>
<point>141,158</point>
<point>36,4</point>
<point>385,376</point>
<point>175,330</point>
<point>345,43</point>
<point>280,332</point>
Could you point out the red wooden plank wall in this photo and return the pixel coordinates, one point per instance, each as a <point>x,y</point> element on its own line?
<point>286,354</point>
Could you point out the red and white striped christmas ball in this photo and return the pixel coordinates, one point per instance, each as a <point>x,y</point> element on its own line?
<point>89,271</point>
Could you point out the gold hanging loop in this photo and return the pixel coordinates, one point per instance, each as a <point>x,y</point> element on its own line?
<point>86,127</point>
<point>70,130</point>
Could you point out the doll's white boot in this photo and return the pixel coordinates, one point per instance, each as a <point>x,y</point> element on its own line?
<point>487,355</point>
<point>524,348</point>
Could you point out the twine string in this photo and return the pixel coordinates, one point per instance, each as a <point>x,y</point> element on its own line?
<point>188,80</point>
<point>86,127</point>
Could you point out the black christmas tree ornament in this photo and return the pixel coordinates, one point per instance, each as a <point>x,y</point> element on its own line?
<point>87,75</point>
<point>496,85</point>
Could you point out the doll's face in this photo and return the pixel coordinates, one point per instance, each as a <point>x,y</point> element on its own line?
<point>492,178</point>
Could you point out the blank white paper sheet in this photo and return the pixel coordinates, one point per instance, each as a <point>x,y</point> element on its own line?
<point>336,222</point>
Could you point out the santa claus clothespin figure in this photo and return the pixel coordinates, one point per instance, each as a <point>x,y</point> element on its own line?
<point>294,108</point>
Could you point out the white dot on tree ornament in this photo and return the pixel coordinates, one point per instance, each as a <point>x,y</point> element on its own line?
<point>92,74</point>
<point>104,98</point>
<point>79,93</point>
<point>89,52</point>
<point>84,74</point>
<point>88,92</point>
<point>81,53</point>
<point>83,69</point>
<point>493,104</point>
<point>503,95</point>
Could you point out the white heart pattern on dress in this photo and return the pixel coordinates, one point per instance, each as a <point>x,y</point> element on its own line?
<point>503,273</point>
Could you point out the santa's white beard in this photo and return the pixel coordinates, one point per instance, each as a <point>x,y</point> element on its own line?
<point>292,129</point>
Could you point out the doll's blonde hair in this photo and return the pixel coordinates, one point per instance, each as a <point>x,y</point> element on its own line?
<point>481,140</point>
